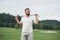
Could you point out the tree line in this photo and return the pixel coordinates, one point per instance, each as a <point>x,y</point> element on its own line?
<point>7,20</point>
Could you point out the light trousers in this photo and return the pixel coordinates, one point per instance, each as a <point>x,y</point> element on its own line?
<point>27,36</point>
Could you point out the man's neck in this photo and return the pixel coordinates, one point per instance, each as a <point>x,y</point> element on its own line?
<point>27,16</point>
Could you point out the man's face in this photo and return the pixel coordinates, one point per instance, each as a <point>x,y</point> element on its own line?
<point>27,12</point>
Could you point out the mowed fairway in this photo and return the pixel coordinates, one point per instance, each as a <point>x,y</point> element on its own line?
<point>13,34</point>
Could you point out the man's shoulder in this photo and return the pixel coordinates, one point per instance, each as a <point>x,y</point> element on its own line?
<point>23,18</point>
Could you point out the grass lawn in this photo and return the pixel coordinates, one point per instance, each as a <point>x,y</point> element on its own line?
<point>13,34</point>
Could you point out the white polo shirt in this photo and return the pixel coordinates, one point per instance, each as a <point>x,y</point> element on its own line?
<point>27,23</point>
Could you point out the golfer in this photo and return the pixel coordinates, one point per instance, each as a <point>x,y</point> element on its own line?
<point>27,22</point>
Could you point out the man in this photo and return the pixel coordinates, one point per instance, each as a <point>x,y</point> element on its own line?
<point>27,22</point>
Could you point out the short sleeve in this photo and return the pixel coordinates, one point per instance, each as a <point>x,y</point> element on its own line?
<point>33,19</point>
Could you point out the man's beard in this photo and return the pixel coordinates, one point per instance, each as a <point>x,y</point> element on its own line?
<point>28,14</point>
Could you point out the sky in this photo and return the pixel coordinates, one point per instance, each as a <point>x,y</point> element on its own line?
<point>47,9</point>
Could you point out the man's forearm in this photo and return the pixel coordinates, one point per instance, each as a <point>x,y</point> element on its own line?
<point>36,20</point>
<point>18,22</point>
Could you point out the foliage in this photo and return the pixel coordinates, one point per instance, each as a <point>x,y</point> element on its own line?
<point>7,20</point>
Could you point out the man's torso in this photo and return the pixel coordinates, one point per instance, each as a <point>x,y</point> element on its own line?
<point>27,24</point>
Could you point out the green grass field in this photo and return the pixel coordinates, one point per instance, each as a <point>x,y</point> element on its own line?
<point>13,34</point>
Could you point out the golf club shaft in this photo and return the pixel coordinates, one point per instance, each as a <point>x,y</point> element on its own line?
<point>30,15</point>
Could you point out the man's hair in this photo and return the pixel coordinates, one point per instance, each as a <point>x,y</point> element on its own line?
<point>27,9</point>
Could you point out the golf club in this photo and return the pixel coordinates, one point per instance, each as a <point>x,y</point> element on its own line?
<point>31,15</point>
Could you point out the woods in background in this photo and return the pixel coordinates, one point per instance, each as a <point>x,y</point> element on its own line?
<point>7,20</point>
